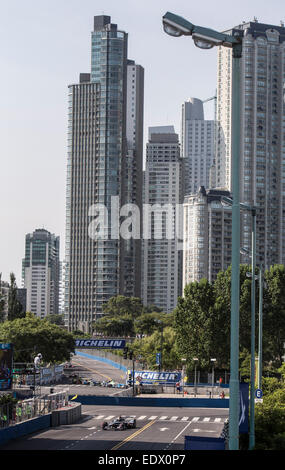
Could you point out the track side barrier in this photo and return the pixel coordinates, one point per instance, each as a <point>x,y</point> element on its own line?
<point>162,402</point>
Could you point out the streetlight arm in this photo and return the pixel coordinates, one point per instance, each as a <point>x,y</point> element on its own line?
<point>175,25</point>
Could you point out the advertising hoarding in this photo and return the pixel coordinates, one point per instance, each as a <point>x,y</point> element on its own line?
<point>100,343</point>
<point>152,377</point>
<point>6,366</point>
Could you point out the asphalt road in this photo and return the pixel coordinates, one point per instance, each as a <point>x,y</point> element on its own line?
<point>158,428</point>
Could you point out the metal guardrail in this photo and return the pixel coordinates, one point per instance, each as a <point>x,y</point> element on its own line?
<point>11,414</point>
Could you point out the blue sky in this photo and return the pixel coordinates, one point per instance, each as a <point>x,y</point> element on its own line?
<point>44,47</point>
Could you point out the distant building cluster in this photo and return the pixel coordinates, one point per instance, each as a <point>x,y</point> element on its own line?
<point>182,229</point>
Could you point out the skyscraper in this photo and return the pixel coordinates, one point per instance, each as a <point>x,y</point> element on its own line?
<point>104,167</point>
<point>162,255</point>
<point>197,145</point>
<point>207,235</point>
<point>262,138</point>
<point>40,271</point>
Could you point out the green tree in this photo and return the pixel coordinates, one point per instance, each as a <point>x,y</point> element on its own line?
<point>15,309</point>
<point>121,305</point>
<point>274,314</point>
<point>147,323</point>
<point>2,302</point>
<point>270,417</point>
<point>148,346</point>
<point>193,322</point>
<point>115,325</point>
<point>222,291</point>
<point>31,335</point>
<point>56,319</point>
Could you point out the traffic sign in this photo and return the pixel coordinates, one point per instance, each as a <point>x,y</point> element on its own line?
<point>258,393</point>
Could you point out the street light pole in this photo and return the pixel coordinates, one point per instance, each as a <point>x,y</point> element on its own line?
<point>260,327</point>
<point>235,280</point>
<point>252,359</point>
<point>206,38</point>
<point>161,345</point>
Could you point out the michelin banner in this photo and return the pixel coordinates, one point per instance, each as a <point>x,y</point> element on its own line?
<point>100,343</point>
<point>152,377</point>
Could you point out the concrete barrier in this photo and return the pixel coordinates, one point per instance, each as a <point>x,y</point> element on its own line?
<point>61,416</point>
<point>66,415</point>
<point>162,402</point>
<point>24,428</point>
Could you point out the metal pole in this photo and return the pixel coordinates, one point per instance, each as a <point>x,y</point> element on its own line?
<point>161,342</point>
<point>260,327</point>
<point>235,281</point>
<point>252,359</point>
<point>133,377</point>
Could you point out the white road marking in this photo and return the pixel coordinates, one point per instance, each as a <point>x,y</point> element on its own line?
<point>173,418</point>
<point>185,418</point>
<point>206,420</point>
<point>99,417</point>
<point>163,429</point>
<point>163,418</point>
<point>142,417</point>
<point>176,437</point>
<point>152,417</point>
<point>204,430</point>
<point>218,420</point>
<point>194,420</point>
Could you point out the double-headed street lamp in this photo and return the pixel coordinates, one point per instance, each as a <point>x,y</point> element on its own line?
<point>206,38</point>
<point>252,210</point>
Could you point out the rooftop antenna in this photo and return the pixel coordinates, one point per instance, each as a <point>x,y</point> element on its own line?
<point>282,23</point>
<point>255,19</point>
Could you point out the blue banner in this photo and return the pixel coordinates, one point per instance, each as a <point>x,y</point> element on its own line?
<point>244,407</point>
<point>152,377</point>
<point>203,443</point>
<point>100,343</point>
<point>6,362</point>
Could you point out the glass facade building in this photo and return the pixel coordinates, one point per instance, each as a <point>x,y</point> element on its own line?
<point>163,196</point>
<point>40,272</point>
<point>97,174</point>
<point>262,110</point>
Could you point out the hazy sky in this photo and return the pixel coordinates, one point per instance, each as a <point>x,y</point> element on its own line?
<point>44,47</point>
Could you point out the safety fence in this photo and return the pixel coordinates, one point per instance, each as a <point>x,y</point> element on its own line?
<point>27,375</point>
<point>11,413</point>
<point>196,378</point>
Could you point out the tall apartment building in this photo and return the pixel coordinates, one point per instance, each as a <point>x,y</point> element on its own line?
<point>40,271</point>
<point>197,145</point>
<point>262,169</point>
<point>207,235</point>
<point>104,167</point>
<point>162,254</point>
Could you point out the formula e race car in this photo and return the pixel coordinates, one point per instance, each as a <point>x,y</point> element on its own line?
<point>120,423</point>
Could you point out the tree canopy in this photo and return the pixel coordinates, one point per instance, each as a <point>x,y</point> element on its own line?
<point>31,335</point>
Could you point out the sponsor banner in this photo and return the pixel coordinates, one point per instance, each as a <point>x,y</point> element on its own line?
<point>151,377</point>
<point>6,362</point>
<point>203,443</point>
<point>244,407</point>
<point>100,343</point>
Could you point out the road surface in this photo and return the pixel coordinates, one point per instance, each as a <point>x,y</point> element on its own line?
<point>158,428</point>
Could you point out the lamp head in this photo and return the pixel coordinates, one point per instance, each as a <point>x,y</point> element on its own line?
<point>175,25</point>
<point>204,38</point>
